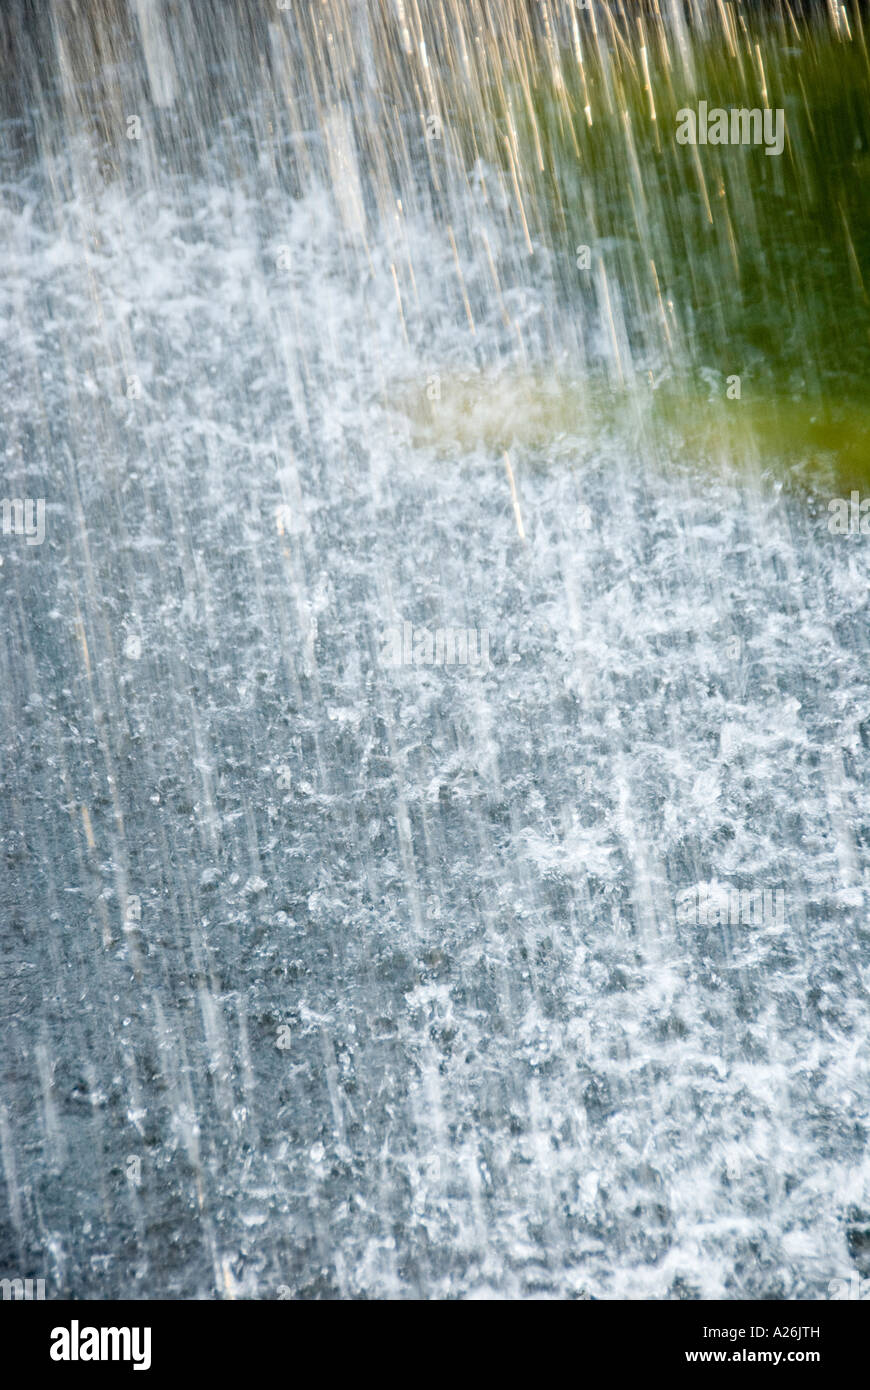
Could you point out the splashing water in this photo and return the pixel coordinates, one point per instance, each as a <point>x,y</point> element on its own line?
<point>426,649</point>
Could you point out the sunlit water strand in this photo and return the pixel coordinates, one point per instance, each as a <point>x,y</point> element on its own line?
<point>325,976</point>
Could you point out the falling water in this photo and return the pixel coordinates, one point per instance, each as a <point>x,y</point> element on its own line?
<point>437,626</point>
